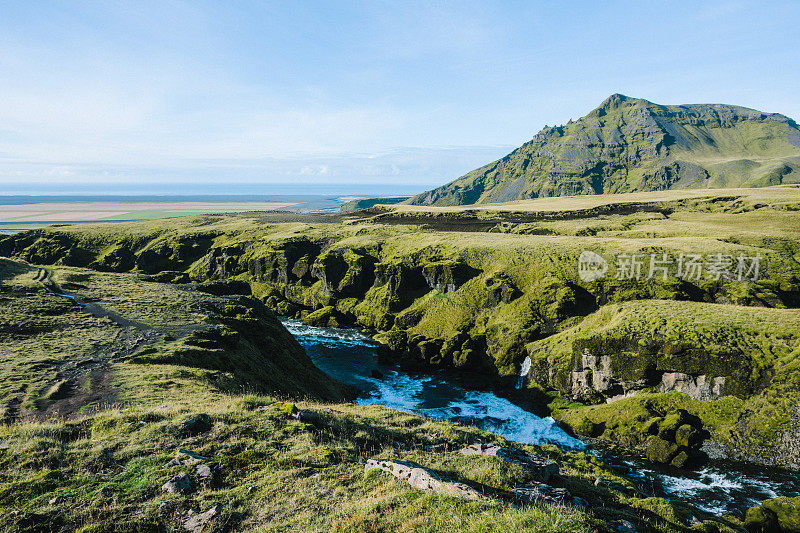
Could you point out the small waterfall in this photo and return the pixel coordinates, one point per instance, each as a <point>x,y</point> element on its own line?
<point>523,371</point>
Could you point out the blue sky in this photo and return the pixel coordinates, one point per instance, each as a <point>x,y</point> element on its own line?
<point>119,95</point>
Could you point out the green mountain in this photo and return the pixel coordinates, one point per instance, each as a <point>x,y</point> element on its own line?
<point>629,144</point>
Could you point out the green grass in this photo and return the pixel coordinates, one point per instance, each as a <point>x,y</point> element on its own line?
<point>207,346</point>
<point>46,337</point>
<point>274,473</point>
<point>630,144</point>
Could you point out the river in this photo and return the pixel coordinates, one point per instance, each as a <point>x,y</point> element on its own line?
<point>719,487</point>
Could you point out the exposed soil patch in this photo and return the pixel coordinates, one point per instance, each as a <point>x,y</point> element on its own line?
<point>86,386</point>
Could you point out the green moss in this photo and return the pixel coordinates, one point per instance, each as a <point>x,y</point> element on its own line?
<point>549,315</point>
<point>777,514</point>
<point>719,146</point>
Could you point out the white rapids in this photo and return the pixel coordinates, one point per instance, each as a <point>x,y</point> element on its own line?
<point>349,356</point>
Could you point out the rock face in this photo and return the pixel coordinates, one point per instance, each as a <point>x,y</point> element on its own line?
<point>612,368</point>
<point>194,426</point>
<point>345,273</point>
<point>630,144</point>
<point>501,291</point>
<point>698,387</point>
<point>290,262</point>
<point>206,475</point>
<point>424,479</point>
<point>543,468</point>
<point>173,252</point>
<point>447,276</point>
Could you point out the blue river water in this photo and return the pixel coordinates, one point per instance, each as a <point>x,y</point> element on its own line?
<point>719,487</point>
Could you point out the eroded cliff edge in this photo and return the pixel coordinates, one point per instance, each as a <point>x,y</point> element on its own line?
<point>675,368</point>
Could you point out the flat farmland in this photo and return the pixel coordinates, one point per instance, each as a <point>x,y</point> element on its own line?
<point>32,215</point>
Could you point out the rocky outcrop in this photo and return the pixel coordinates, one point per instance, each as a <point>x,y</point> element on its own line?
<point>609,368</point>
<point>698,387</point>
<point>219,263</point>
<point>198,522</point>
<point>674,439</point>
<point>118,259</point>
<point>462,351</point>
<point>173,252</point>
<point>285,262</point>
<point>404,283</point>
<point>447,276</point>
<point>501,291</point>
<point>196,425</point>
<point>424,479</point>
<point>324,317</point>
<point>345,273</point>
<point>594,374</point>
<point>178,484</point>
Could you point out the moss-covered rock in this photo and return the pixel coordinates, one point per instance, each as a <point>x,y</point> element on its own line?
<point>325,317</point>
<point>173,251</point>
<point>447,275</point>
<point>117,258</point>
<point>780,515</point>
<point>587,428</point>
<point>660,450</point>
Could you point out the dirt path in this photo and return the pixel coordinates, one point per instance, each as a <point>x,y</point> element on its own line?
<point>85,387</point>
<point>45,277</point>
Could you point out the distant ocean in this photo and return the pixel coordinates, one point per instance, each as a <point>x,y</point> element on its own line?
<point>210,192</point>
<point>304,202</point>
<point>303,197</point>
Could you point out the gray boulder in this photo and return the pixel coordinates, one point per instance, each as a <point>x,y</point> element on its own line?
<point>424,479</point>
<point>198,522</point>
<point>178,484</point>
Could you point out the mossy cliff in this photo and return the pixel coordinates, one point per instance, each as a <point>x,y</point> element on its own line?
<point>144,408</point>
<point>630,144</point>
<point>495,297</point>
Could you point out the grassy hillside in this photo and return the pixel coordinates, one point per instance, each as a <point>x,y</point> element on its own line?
<point>692,367</point>
<point>60,358</point>
<point>365,203</point>
<point>108,403</point>
<point>743,346</point>
<point>481,290</point>
<point>630,144</point>
<point>271,472</point>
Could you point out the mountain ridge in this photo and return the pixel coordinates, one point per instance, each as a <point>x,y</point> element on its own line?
<point>630,144</point>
